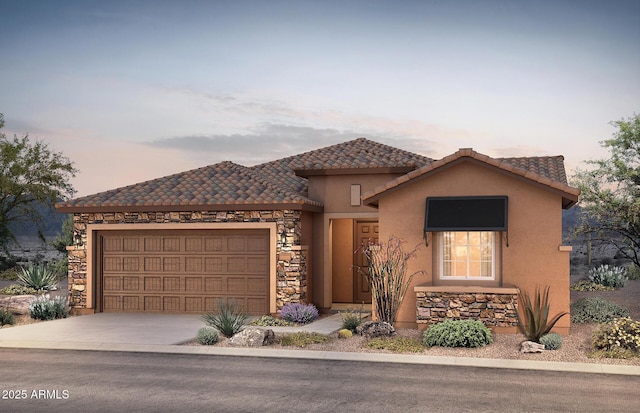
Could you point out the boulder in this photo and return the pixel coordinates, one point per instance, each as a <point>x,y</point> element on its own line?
<point>372,329</point>
<point>253,337</point>
<point>531,347</point>
<point>16,304</point>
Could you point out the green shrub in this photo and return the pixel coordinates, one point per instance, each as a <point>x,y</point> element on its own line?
<point>10,274</point>
<point>301,339</point>
<point>270,321</point>
<point>551,341</point>
<point>458,333</point>
<point>38,276</point>
<point>44,308</point>
<point>596,309</point>
<point>534,322</point>
<point>6,317</point>
<point>633,272</point>
<point>615,277</point>
<point>345,333</point>
<point>351,319</point>
<point>207,336</point>
<point>622,334</point>
<point>585,285</point>
<point>229,318</point>
<point>396,344</point>
<point>15,289</point>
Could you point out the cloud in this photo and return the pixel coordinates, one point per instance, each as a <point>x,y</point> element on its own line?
<point>266,143</point>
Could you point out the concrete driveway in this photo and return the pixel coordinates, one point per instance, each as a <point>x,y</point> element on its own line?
<point>92,331</point>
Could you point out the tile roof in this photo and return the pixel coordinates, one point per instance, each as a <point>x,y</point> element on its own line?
<point>551,167</point>
<point>360,154</point>
<point>548,171</point>
<point>283,183</point>
<point>224,184</point>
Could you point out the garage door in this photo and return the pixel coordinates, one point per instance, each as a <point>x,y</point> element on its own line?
<point>183,271</point>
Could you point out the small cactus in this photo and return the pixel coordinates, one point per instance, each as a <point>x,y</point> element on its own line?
<point>345,333</point>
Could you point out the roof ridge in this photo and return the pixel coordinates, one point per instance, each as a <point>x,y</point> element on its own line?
<point>274,186</point>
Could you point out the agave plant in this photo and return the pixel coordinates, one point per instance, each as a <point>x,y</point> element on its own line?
<point>229,318</point>
<point>38,276</point>
<point>534,321</point>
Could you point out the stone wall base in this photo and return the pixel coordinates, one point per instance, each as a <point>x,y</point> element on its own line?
<point>495,307</point>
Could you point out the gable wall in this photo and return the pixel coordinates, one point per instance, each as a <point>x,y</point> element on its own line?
<point>334,191</point>
<point>535,231</point>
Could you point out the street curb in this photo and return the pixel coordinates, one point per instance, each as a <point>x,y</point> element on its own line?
<point>594,368</point>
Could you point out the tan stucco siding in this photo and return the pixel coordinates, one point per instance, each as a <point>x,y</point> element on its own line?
<point>535,231</point>
<point>334,191</point>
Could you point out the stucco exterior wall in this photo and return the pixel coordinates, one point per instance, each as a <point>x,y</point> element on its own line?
<point>334,191</point>
<point>533,257</point>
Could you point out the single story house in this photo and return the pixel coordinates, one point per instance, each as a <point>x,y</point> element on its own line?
<point>289,230</point>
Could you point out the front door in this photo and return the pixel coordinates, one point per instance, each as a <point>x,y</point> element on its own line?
<point>365,232</point>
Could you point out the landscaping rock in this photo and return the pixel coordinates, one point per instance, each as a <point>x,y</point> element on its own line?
<point>253,337</point>
<point>372,329</point>
<point>16,304</point>
<point>531,347</point>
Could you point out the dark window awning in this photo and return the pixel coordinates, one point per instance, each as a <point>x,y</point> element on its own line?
<point>471,213</point>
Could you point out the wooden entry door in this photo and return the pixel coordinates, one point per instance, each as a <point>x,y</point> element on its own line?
<point>365,231</point>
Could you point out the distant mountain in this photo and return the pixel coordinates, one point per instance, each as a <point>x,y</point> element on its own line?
<point>51,226</point>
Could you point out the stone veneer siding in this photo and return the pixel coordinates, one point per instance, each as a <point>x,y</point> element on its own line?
<point>492,308</point>
<point>291,265</point>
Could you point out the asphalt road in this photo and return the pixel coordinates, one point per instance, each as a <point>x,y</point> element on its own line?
<point>84,381</point>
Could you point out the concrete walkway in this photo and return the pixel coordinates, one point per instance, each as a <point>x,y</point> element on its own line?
<point>159,333</point>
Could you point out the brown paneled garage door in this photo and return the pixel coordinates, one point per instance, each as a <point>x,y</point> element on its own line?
<point>182,271</point>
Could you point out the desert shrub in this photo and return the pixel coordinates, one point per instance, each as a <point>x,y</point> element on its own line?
<point>228,318</point>
<point>534,321</point>
<point>44,308</point>
<point>351,319</point>
<point>615,277</point>
<point>387,275</point>
<point>396,344</point>
<point>551,341</point>
<point>633,272</point>
<point>596,309</point>
<point>38,276</point>
<point>301,339</point>
<point>15,289</point>
<point>207,336</point>
<point>10,274</point>
<point>584,285</point>
<point>270,321</point>
<point>6,317</point>
<point>345,333</point>
<point>457,333</point>
<point>299,313</point>
<point>621,334</point>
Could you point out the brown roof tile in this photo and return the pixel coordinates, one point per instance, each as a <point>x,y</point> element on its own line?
<point>548,171</point>
<point>283,182</point>
<point>221,184</point>
<point>359,153</point>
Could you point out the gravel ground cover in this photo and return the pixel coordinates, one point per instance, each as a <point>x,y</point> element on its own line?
<point>576,347</point>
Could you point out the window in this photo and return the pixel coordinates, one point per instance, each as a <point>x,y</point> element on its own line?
<point>467,255</point>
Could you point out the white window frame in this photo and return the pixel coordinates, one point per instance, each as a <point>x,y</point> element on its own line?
<point>494,246</point>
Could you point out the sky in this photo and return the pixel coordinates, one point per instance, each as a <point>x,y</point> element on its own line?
<point>136,90</point>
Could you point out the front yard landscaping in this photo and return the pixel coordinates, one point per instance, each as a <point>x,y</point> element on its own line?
<point>576,347</point>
